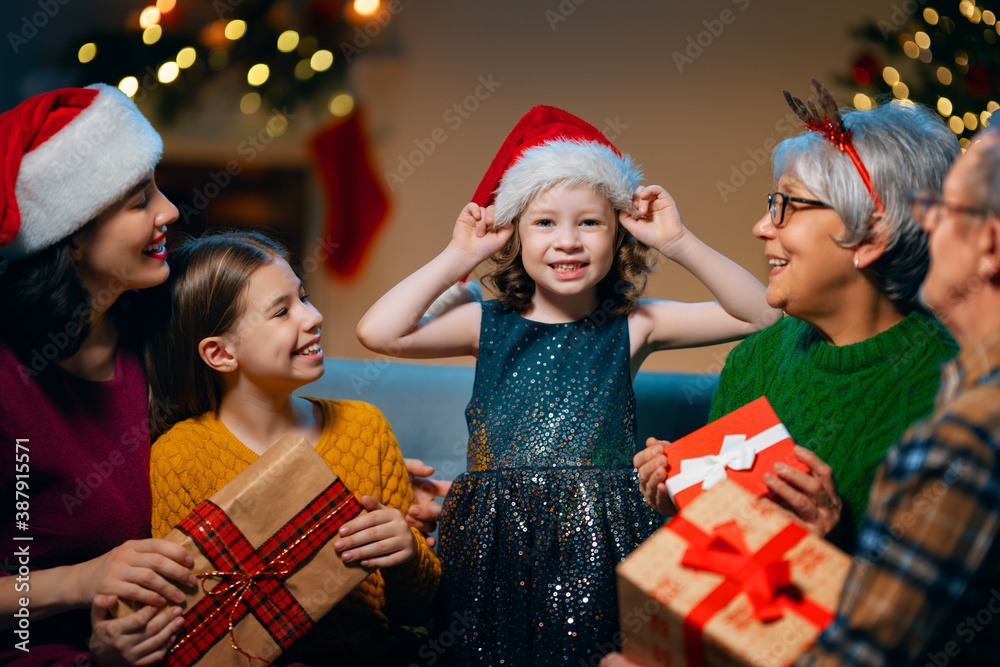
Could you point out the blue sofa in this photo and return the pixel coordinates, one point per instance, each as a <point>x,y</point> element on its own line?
<point>425,403</point>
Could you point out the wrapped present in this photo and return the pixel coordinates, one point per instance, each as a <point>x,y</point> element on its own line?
<point>731,580</point>
<point>264,558</point>
<point>741,446</point>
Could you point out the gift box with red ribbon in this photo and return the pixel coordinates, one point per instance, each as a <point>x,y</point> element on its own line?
<point>741,446</point>
<point>264,557</point>
<point>731,580</point>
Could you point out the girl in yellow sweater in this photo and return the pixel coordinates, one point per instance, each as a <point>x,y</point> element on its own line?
<point>230,336</point>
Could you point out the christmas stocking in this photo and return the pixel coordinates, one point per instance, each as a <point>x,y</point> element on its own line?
<point>356,205</point>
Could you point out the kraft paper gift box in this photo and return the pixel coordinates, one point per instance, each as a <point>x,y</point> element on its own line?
<point>263,552</point>
<point>741,446</point>
<point>731,580</point>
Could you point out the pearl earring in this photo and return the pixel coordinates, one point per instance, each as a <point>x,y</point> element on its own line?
<point>855,262</point>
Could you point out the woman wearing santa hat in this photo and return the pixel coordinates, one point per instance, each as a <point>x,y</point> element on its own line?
<point>82,225</point>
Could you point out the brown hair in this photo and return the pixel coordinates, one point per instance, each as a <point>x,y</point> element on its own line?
<point>47,308</point>
<point>623,285</point>
<point>203,297</point>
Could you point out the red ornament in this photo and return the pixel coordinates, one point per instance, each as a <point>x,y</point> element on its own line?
<point>174,19</point>
<point>323,13</point>
<point>979,82</point>
<point>866,69</point>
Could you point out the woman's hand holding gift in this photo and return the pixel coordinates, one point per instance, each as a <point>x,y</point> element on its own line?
<point>652,466</point>
<point>141,638</point>
<point>142,571</point>
<point>811,496</point>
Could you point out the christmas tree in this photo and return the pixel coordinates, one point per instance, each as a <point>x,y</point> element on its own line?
<point>261,54</point>
<point>214,59</point>
<point>945,57</point>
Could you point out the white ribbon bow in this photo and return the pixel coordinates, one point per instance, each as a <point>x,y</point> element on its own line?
<point>737,453</point>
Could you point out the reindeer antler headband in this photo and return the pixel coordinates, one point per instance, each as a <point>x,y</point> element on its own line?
<point>831,126</point>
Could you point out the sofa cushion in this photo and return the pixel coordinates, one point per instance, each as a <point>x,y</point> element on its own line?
<point>425,403</point>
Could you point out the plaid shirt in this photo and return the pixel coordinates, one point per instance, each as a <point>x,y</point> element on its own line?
<point>925,585</point>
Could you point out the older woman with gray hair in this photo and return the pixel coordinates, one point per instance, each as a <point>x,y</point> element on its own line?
<point>857,360</point>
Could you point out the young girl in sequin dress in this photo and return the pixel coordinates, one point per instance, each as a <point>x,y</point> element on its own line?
<point>531,533</point>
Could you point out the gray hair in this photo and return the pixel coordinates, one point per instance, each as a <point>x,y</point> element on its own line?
<point>991,171</point>
<point>905,147</point>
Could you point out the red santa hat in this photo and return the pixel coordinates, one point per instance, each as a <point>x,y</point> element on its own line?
<point>68,155</point>
<point>547,147</point>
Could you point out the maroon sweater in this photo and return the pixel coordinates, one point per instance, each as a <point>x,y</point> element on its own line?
<point>87,446</point>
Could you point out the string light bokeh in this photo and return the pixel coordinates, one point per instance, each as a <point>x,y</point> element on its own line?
<point>944,56</point>
<point>269,53</point>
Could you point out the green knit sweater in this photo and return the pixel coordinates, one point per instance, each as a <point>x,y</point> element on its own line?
<point>848,404</point>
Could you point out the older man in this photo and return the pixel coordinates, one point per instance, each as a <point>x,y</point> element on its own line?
<point>925,585</point>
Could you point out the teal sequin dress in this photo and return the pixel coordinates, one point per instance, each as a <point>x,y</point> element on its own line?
<point>550,502</point>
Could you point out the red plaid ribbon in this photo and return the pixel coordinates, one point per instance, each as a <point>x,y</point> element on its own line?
<point>763,575</point>
<point>252,579</point>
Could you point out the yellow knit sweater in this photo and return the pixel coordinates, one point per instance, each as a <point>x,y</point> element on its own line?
<point>198,456</point>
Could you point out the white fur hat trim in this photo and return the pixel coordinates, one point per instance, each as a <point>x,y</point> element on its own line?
<point>571,163</point>
<point>81,170</point>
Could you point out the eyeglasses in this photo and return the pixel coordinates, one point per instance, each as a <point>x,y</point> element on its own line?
<point>777,201</point>
<point>926,206</point>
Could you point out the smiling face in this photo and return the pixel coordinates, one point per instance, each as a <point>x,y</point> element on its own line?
<point>123,248</point>
<point>567,238</point>
<point>276,342</point>
<point>957,241</point>
<point>809,270</point>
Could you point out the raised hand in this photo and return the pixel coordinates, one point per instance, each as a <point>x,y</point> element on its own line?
<point>659,225</point>
<point>380,538</point>
<point>474,234</point>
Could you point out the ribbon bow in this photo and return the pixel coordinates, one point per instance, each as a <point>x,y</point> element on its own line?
<point>758,575</point>
<point>737,453</point>
<point>252,578</point>
<point>240,580</point>
<point>764,575</point>
<point>233,591</point>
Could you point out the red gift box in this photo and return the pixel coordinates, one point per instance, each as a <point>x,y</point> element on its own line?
<point>741,446</point>
<point>731,580</point>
